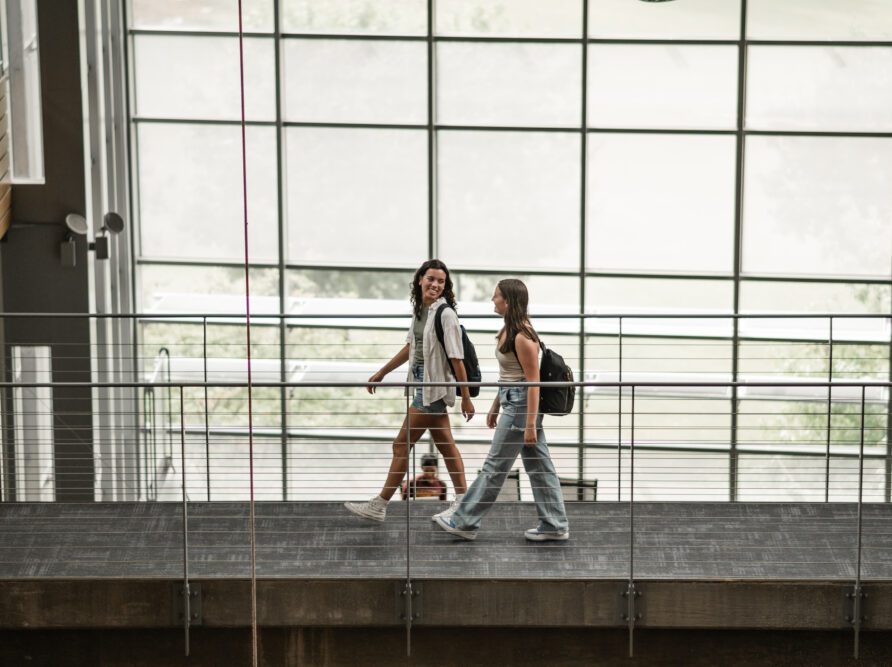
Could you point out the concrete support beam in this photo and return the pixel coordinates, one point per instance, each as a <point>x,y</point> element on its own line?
<point>443,603</point>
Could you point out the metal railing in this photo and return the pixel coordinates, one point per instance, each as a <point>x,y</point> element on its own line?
<point>668,413</point>
<point>341,469</point>
<point>611,347</point>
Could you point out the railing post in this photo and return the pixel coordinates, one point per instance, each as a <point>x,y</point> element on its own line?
<point>887,473</point>
<point>187,613</point>
<point>148,449</point>
<point>733,456</point>
<point>631,595</point>
<point>154,461</point>
<point>207,427</point>
<point>856,594</point>
<point>619,418</point>
<point>407,590</point>
<point>829,414</point>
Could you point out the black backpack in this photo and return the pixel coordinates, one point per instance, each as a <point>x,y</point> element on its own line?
<point>556,401</point>
<point>472,366</point>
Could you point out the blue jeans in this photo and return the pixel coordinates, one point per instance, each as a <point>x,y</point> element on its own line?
<point>507,443</point>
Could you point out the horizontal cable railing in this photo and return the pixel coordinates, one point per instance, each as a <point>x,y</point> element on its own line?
<point>335,430</point>
<point>640,478</point>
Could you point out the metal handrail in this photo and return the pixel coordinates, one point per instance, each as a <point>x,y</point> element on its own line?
<point>327,316</point>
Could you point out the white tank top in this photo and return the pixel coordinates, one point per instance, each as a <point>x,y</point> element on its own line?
<point>510,369</point>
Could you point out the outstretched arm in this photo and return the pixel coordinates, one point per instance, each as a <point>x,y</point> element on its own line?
<point>398,360</point>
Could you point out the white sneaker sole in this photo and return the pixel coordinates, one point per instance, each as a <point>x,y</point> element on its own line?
<point>363,514</point>
<point>547,537</point>
<point>469,535</point>
<point>445,514</point>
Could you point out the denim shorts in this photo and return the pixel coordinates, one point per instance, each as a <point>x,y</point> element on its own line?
<point>438,407</point>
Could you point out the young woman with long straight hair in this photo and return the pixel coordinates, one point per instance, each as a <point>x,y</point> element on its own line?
<point>431,287</point>
<point>518,429</point>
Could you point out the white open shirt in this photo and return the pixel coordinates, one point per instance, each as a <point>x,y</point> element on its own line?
<point>435,362</point>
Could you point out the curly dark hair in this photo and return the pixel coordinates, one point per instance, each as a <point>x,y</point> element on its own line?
<point>415,288</point>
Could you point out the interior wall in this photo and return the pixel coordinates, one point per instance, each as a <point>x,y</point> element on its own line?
<point>33,279</point>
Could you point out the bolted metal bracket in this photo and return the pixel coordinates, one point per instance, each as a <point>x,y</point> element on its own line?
<point>408,597</point>
<point>178,604</point>
<point>854,606</point>
<point>631,604</point>
<point>855,616</point>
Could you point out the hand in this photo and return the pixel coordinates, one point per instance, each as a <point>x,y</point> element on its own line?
<point>375,378</point>
<point>492,417</point>
<point>529,436</point>
<point>467,408</point>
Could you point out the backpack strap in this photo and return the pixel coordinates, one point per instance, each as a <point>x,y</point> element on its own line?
<point>438,327</point>
<point>541,346</point>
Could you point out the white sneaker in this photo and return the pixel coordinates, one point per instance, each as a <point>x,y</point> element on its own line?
<point>374,509</point>
<point>449,511</point>
<point>537,535</point>
<point>450,527</point>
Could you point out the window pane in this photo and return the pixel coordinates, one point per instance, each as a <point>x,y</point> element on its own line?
<point>775,361</point>
<point>818,206</point>
<point>229,462</point>
<point>389,17</point>
<point>660,476</point>
<point>548,294</point>
<point>509,18</point>
<point>349,299</point>
<point>819,88</point>
<point>769,296</point>
<point>356,196</point>
<point>681,358</point>
<point>843,20</point>
<point>621,295</point>
<point>855,362</point>
<point>692,19</point>
<point>198,77</point>
<point>554,302</point>
<point>334,284</point>
<point>365,350</point>
<point>686,220</point>
<point>763,478</point>
<point>355,81</point>
<point>508,84</point>
<point>660,86</point>
<point>191,206</point>
<point>257,15</point>
<point>493,182</point>
<point>803,479</point>
<point>208,289</point>
<point>791,425</point>
<point>224,344</point>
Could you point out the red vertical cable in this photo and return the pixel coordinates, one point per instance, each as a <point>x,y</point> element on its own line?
<point>241,67</point>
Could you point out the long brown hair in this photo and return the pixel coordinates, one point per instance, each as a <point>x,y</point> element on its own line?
<point>517,319</point>
<point>417,299</point>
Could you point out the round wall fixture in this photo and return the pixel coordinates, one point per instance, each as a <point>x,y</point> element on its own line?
<point>76,223</point>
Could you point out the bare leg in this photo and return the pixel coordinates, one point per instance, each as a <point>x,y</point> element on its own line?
<point>415,424</point>
<point>441,432</point>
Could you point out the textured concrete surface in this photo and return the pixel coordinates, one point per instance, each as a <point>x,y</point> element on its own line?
<point>673,541</point>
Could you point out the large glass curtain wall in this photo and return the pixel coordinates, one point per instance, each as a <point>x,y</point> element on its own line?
<point>706,156</point>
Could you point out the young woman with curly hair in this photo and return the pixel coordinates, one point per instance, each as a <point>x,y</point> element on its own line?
<point>431,288</point>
